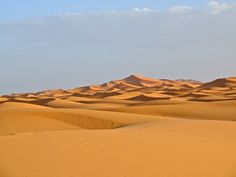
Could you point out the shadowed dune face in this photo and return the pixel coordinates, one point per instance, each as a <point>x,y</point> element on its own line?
<point>24,117</point>
<point>135,127</point>
<point>150,97</point>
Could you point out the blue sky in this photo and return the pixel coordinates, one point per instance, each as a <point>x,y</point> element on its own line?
<point>49,44</point>
<point>18,9</point>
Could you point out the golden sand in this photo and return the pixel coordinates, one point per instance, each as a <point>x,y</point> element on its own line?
<point>134,127</point>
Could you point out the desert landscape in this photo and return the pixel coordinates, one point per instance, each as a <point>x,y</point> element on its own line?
<point>132,127</point>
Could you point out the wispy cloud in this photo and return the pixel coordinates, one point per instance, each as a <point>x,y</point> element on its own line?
<point>212,7</point>
<point>180,9</point>
<point>215,7</point>
<point>143,9</point>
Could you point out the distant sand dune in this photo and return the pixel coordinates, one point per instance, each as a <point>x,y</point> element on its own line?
<point>149,97</point>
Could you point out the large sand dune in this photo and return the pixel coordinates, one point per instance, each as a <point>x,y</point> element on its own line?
<point>133,127</point>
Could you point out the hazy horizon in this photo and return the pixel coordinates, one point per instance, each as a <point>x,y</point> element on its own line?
<point>66,44</point>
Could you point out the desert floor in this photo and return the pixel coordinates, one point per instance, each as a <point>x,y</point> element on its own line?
<point>116,137</point>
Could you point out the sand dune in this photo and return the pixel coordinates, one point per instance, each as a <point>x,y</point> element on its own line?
<point>190,110</point>
<point>224,83</point>
<point>58,103</point>
<point>150,97</point>
<point>125,95</point>
<point>132,127</point>
<point>133,83</point>
<point>211,98</point>
<point>167,148</point>
<point>22,117</point>
<point>2,99</point>
<point>15,105</point>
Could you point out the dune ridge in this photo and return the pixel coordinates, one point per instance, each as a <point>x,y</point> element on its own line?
<point>217,90</point>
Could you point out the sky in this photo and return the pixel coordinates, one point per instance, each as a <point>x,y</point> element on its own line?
<point>51,44</point>
<point>15,9</point>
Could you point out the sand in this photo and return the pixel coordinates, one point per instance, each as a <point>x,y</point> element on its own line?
<point>133,127</point>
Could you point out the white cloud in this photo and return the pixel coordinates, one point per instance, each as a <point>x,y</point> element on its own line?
<point>144,9</point>
<point>180,9</point>
<point>215,7</point>
<point>135,9</point>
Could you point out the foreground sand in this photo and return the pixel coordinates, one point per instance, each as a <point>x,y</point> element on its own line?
<point>161,148</point>
<point>130,134</point>
<point>47,142</point>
